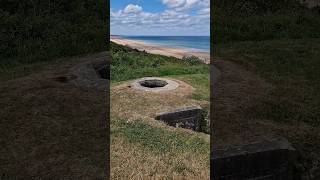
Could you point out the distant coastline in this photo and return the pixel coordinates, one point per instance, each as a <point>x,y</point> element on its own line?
<point>160,49</point>
<point>192,43</point>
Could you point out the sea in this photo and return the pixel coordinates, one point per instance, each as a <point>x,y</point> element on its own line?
<point>193,43</point>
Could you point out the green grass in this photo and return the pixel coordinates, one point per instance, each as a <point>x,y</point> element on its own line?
<point>201,82</point>
<point>159,140</point>
<point>292,66</point>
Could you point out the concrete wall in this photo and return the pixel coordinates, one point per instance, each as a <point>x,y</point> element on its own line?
<point>188,117</point>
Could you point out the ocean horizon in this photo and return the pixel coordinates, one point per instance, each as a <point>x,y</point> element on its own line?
<point>193,43</point>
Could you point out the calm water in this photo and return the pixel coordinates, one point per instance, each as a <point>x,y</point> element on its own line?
<point>194,43</point>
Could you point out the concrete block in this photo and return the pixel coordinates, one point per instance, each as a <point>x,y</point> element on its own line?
<point>188,117</point>
<point>268,159</point>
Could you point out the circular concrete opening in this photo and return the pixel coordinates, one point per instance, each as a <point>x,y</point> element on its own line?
<point>153,83</point>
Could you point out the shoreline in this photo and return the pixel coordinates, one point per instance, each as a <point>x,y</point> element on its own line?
<point>161,50</point>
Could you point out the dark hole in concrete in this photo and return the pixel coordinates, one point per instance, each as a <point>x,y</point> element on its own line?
<point>104,72</point>
<point>153,83</point>
<point>102,68</point>
<point>194,118</point>
<point>62,79</point>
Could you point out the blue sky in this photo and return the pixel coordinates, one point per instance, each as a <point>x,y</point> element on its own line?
<point>160,17</point>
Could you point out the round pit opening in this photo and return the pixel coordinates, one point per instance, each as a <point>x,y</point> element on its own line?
<point>153,83</point>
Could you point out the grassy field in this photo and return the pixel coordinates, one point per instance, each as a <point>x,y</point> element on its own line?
<point>252,20</point>
<point>279,42</point>
<point>292,68</point>
<point>142,147</point>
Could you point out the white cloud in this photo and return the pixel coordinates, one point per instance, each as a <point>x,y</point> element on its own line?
<point>176,19</point>
<point>205,11</point>
<point>131,8</point>
<point>174,3</point>
<point>183,5</point>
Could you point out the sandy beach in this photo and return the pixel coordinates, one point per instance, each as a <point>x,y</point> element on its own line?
<point>162,50</point>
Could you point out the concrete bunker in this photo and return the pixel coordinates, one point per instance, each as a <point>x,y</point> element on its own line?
<point>193,117</point>
<point>92,74</point>
<point>102,69</point>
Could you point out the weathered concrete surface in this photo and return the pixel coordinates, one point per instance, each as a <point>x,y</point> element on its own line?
<point>214,73</point>
<point>102,67</point>
<point>188,117</point>
<point>268,159</point>
<point>93,74</point>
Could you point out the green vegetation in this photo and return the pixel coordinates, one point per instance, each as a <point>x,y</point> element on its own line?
<point>288,57</point>
<point>38,31</point>
<point>242,20</point>
<point>129,64</point>
<point>199,81</point>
